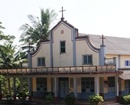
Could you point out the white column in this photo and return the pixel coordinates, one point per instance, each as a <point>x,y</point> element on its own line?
<point>96,86</point>
<point>56,86</point>
<point>75,87</point>
<point>117,85</point>
<point>116,62</point>
<point>102,55</point>
<point>119,61</point>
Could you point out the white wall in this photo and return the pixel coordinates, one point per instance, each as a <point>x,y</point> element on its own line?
<point>83,49</point>
<point>43,51</point>
<point>65,59</point>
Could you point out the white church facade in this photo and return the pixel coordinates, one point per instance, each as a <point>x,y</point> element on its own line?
<point>84,64</point>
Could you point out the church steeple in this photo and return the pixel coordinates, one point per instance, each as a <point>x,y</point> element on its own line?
<point>62,18</point>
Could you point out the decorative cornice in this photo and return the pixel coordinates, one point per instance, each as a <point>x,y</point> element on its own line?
<point>38,46</point>
<point>91,46</point>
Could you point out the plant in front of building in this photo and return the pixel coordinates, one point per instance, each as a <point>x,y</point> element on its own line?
<point>49,99</point>
<point>125,100</point>
<point>95,99</point>
<point>70,99</point>
<point>8,97</point>
<point>22,96</point>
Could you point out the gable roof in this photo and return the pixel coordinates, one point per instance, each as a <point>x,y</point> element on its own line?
<point>63,22</point>
<point>114,45</point>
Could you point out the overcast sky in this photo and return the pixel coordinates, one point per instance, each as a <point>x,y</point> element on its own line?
<point>108,17</point>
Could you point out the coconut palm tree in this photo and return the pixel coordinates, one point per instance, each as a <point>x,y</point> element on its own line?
<point>39,28</point>
<point>6,52</point>
<point>6,49</point>
<point>1,27</point>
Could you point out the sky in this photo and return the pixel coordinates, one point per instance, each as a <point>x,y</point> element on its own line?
<point>107,17</point>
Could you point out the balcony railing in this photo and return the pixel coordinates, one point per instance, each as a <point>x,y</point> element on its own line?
<point>109,61</point>
<point>54,70</point>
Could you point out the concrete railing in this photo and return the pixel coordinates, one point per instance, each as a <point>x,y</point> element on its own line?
<point>77,69</point>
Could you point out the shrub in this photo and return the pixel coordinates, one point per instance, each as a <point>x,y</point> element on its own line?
<point>49,99</point>
<point>22,95</point>
<point>120,99</point>
<point>95,99</point>
<point>70,99</point>
<point>124,99</point>
<point>8,97</point>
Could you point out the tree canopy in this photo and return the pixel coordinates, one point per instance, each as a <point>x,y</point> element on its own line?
<point>7,50</point>
<point>39,28</point>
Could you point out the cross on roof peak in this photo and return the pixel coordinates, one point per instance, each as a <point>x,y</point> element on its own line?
<point>62,10</point>
<point>103,39</point>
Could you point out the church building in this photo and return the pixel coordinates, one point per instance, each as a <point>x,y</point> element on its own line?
<point>84,64</point>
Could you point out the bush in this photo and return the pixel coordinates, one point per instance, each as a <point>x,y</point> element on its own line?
<point>8,97</point>
<point>22,96</point>
<point>124,99</point>
<point>95,99</point>
<point>48,93</point>
<point>70,99</point>
<point>49,99</point>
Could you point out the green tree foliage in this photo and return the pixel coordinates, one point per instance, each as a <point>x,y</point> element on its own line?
<point>9,58</point>
<point>7,50</point>
<point>39,28</point>
<point>7,86</point>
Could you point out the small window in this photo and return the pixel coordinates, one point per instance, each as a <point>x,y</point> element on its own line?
<point>41,61</point>
<point>87,59</point>
<point>127,63</point>
<point>62,47</point>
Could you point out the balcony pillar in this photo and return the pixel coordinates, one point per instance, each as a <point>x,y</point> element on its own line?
<point>75,87</point>
<point>29,88</point>
<point>117,85</point>
<point>14,87</point>
<point>96,84</point>
<point>101,82</point>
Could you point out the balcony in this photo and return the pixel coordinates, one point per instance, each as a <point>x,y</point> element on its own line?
<point>60,70</point>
